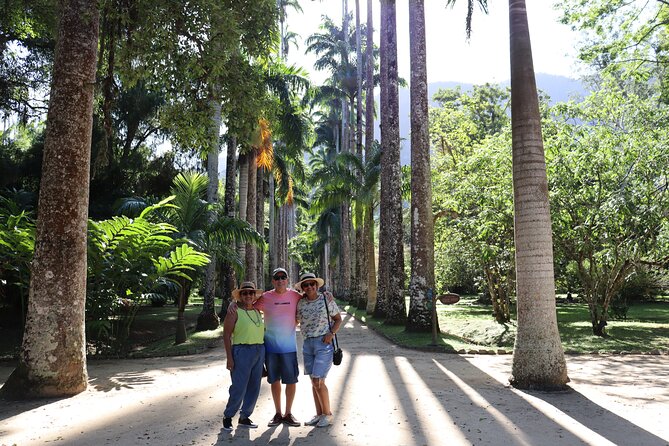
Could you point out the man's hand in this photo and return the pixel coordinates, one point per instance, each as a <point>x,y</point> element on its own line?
<point>230,364</point>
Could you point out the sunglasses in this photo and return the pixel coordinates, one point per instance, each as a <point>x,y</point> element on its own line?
<point>280,277</point>
<point>247,293</point>
<point>308,284</point>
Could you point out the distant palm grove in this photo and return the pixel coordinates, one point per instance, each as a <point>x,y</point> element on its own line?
<point>115,114</point>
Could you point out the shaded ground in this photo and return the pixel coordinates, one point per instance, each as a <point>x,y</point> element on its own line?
<point>153,324</point>
<point>382,394</point>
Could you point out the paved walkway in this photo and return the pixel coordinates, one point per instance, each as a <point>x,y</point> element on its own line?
<point>383,395</point>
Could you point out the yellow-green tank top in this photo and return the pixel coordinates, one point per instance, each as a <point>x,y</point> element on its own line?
<point>249,328</point>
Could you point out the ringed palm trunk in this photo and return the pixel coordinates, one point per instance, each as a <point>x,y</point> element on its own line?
<point>52,361</point>
<point>380,309</point>
<point>227,272</point>
<point>243,197</point>
<point>369,269</point>
<point>538,358</point>
<point>208,319</point>
<point>260,225</point>
<point>421,285</point>
<point>251,258</point>
<point>345,252</point>
<point>359,279</point>
<point>391,197</point>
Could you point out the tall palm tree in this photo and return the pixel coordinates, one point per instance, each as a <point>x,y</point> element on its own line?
<point>357,289</point>
<point>538,358</point>
<point>52,361</point>
<point>391,302</point>
<point>421,284</point>
<point>333,48</point>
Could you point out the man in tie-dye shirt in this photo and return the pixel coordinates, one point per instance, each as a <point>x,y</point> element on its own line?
<point>280,307</point>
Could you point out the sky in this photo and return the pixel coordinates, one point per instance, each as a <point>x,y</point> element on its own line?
<point>485,58</point>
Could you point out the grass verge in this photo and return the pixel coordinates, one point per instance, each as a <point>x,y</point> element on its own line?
<point>469,327</point>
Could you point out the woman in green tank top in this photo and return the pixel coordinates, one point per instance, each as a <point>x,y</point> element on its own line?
<point>243,333</point>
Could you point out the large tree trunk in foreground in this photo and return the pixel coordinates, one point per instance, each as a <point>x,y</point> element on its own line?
<point>53,355</point>
<point>421,285</point>
<point>538,358</point>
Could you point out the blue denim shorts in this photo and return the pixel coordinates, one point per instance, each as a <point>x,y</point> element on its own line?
<point>317,357</point>
<point>282,366</point>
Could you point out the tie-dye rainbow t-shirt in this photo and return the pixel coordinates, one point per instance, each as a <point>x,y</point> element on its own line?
<point>279,311</point>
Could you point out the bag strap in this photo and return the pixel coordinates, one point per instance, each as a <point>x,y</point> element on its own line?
<point>335,344</point>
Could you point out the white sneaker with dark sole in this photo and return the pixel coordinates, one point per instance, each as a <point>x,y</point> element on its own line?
<point>325,421</point>
<point>314,421</point>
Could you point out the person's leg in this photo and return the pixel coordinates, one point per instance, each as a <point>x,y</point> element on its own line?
<point>322,364</point>
<point>276,395</point>
<point>289,377</point>
<point>323,395</point>
<point>255,377</point>
<point>273,363</point>
<point>315,382</point>
<point>308,363</point>
<point>239,375</point>
<point>290,397</point>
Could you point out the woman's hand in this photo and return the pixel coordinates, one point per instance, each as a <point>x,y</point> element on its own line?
<point>327,339</point>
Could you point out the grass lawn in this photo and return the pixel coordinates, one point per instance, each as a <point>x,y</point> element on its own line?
<point>469,326</point>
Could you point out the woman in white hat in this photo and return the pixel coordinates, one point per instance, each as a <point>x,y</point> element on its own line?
<point>243,337</point>
<point>318,331</point>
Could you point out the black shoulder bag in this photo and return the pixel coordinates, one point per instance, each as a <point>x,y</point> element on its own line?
<point>338,354</point>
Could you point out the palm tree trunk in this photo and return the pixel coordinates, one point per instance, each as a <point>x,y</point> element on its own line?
<point>380,310</point>
<point>52,361</point>
<point>421,285</point>
<point>292,264</point>
<point>391,196</point>
<point>243,196</point>
<point>538,358</point>
<point>272,224</point>
<point>251,214</point>
<point>260,225</point>
<point>208,319</point>
<point>369,269</point>
<point>345,252</point>
<point>227,272</point>
<point>184,291</point>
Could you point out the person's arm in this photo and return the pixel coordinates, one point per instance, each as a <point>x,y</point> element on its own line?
<point>228,327</point>
<point>337,320</point>
<point>260,303</point>
<point>232,308</point>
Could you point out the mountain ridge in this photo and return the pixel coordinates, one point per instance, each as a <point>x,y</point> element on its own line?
<point>558,88</point>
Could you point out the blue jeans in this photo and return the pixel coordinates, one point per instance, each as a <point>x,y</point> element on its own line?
<point>246,376</point>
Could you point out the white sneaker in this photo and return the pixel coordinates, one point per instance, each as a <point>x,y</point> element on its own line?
<point>325,421</point>
<point>314,421</point>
